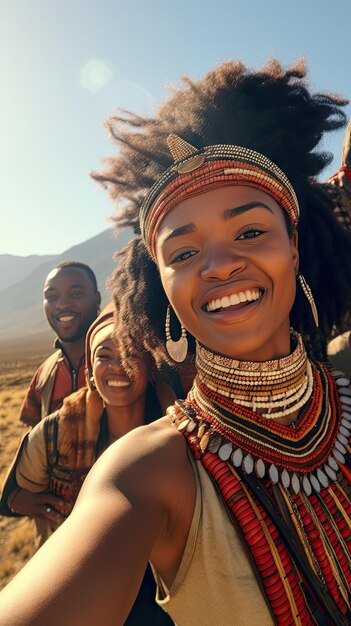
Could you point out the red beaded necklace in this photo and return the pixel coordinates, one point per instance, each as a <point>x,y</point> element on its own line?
<point>284,491</point>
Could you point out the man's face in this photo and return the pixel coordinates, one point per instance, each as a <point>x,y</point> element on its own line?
<point>70,302</point>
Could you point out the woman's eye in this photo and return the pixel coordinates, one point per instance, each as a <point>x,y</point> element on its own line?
<point>251,233</point>
<point>183,256</point>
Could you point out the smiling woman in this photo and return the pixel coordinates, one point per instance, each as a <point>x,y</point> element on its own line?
<point>250,252</point>
<point>241,496</point>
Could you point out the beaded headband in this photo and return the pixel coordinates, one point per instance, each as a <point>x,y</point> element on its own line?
<point>197,171</point>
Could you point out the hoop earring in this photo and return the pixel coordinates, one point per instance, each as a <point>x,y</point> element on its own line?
<point>177,350</point>
<point>308,293</point>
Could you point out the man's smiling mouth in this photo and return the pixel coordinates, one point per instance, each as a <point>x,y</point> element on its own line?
<point>242,297</point>
<point>68,317</point>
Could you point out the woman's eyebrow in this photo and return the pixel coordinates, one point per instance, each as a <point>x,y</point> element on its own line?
<point>229,213</point>
<point>182,230</point>
<point>103,347</point>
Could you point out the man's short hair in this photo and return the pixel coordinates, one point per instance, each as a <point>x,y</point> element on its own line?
<point>78,265</point>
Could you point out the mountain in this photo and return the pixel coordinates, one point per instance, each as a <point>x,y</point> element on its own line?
<point>14,268</point>
<point>21,311</point>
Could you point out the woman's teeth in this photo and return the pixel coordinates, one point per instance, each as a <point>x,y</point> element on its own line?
<point>117,383</point>
<point>236,298</point>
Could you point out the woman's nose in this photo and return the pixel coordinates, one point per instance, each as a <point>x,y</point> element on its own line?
<point>116,362</point>
<point>221,263</point>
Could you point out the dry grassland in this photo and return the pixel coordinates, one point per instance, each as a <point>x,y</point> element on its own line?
<point>16,534</point>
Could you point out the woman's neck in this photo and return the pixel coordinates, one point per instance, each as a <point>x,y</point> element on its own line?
<point>275,389</point>
<point>123,419</point>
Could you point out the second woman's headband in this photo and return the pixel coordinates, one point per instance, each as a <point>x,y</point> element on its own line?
<point>196,171</point>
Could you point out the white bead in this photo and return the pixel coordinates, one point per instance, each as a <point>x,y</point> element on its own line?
<point>214,443</point>
<point>191,426</point>
<point>338,456</point>
<point>345,400</point>
<point>342,382</point>
<point>237,457</point>
<point>343,440</point>
<point>306,486</point>
<point>285,478</point>
<point>333,464</point>
<point>273,474</point>
<point>330,473</point>
<point>343,430</point>
<point>260,468</point>
<point>345,423</point>
<point>248,464</point>
<point>314,482</point>
<point>322,478</point>
<point>225,451</point>
<point>337,373</point>
<point>339,446</point>
<point>295,483</point>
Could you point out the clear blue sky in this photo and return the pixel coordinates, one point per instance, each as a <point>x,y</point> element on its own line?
<point>66,65</point>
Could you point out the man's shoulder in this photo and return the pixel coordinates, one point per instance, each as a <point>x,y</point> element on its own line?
<point>46,368</point>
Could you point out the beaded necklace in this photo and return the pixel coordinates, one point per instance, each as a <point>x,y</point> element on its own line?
<point>304,457</point>
<point>286,490</point>
<point>281,386</point>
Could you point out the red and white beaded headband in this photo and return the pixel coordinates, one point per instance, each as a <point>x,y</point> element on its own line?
<point>197,171</point>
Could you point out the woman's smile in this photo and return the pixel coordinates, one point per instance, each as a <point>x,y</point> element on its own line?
<point>233,301</point>
<point>116,381</point>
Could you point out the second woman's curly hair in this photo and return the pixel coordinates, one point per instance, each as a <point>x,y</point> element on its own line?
<point>272,111</point>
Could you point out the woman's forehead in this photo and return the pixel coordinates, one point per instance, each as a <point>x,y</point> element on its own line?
<point>222,203</point>
<point>106,344</point>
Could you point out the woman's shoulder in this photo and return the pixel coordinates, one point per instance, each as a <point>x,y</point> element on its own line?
<point>148,443</point>
<point>148,457</point>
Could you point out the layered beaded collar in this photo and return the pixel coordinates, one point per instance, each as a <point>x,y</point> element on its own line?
<point>306,457</point>
<point>282,386</point>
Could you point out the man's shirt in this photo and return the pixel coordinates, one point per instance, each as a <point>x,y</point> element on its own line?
<point>66,380</point>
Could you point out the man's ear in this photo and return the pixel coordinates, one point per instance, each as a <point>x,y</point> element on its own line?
<point>98,299</point>
<point>295,250</point>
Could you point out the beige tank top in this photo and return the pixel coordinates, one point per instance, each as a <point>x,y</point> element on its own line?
<point>215,584</point>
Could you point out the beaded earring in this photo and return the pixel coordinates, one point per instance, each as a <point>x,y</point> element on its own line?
<point>308,293</point>
<point>177,350</point>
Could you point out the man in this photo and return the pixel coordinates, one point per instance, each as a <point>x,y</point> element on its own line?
<point>71,303</point>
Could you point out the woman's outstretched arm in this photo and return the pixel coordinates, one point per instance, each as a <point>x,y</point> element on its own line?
<point>90,570</point>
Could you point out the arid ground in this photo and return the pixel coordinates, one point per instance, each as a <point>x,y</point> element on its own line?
<point>16,534</point>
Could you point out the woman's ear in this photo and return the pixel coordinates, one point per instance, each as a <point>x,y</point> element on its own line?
<point>295,250</point>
